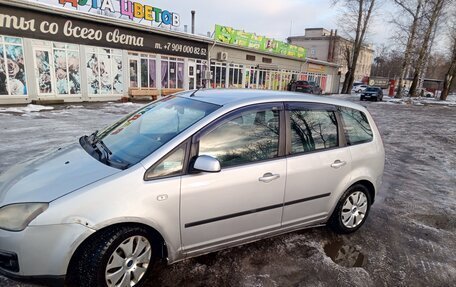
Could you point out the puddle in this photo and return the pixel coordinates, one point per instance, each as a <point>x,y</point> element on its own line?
<point>345,255</point>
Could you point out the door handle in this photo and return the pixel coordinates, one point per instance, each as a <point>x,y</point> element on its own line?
<point>338,164</point>
<point>268,177</point>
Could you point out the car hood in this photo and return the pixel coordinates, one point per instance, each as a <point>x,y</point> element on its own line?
<point>370,93</point>
<point>51,176</point>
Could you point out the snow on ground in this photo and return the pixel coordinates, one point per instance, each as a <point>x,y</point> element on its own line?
<point>27,109</point>
<point>408,239</point>
<point>419,101</point>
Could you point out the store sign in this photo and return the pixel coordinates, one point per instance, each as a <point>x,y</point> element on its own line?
<point>313,68</point>
<point>131,9</point>
<point>61,28</point>
<point>240,38</point>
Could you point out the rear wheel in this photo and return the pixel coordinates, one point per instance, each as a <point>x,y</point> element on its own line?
<point>119,256</point>
<point>352,210</point>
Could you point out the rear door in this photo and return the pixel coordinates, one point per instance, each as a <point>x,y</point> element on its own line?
<point>318,162</point>
<point>246,197</point>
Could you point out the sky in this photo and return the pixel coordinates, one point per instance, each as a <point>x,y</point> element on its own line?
<point>272,18</point>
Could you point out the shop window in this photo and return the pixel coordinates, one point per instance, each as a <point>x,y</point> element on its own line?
<point>172,73</point>
<point>218,74</point>
<point>147,72</point>
<point>235,76</point>
<point>201,67</point>
<point>104,71</point>
<point>12,67</point>
<point>66,67</point>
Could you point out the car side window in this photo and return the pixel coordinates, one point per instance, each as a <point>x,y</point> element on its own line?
<point>356,126</point>
<point>171,165</point>
<point>250,137</point>
<point>313,130</point>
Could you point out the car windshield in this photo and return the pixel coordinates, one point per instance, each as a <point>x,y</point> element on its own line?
<point>302,83</point>
<point>141,133</point>
<point>372,89</point>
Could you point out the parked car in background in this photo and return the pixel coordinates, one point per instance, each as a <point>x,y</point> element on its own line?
<point>187,175</point>
<point>372,93</point>
<point>359,88</point>
<point>425,93</point>
<point>306,87</point>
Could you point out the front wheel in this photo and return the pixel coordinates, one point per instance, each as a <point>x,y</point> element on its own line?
<point>119,256</point>
<point>352,210</point>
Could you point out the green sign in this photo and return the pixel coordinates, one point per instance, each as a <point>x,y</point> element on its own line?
<point>240,38</point>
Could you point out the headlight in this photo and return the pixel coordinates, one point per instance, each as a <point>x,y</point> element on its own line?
<point>16,217</point>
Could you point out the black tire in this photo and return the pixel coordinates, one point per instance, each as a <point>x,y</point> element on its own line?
<point>90,264</point>
<point>335,221</point>
<point>362,99</point>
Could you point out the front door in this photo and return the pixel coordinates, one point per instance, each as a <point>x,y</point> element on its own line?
<point>246,197</point>
<point>318,164</point>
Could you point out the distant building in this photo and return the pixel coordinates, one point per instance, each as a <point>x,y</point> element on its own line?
<point>327,46</point>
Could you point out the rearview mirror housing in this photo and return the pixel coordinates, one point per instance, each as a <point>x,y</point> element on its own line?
<point>207,163</point>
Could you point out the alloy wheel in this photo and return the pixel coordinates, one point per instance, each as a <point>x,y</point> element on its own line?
<point>129,262</point>
<point>354,209</point>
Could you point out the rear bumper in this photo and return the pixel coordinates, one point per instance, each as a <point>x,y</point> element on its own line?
<point>40,251</point>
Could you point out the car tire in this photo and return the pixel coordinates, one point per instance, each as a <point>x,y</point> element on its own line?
<point>351,211</point>
<point>112,247</point>
<point>361,99</point>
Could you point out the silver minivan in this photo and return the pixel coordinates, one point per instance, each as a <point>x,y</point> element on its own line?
<point>189,174</point>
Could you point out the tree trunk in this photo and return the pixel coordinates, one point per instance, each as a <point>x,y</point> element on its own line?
<point>450,75</point>
<point>424,48</point>
<point>449,79</point>
<point>409,46</point>
<point>360,34</point>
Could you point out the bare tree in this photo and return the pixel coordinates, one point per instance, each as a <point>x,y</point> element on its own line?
<point>357,16</point>
<point>413,9</point>
<point>431,18</point>
<point>451,73</point>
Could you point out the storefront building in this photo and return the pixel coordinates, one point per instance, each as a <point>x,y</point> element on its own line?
<point>54,55</point>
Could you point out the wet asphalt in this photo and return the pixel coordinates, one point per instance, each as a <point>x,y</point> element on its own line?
<point>408,239</point>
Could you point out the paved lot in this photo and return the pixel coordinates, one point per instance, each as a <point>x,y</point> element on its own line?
<point>408,240</point>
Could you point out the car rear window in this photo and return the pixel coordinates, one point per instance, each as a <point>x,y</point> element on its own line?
<point>356,126</point>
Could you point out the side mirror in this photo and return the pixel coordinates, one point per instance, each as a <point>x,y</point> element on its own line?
<point>207,163</point>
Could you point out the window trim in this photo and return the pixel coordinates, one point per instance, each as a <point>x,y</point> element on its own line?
<point>307,106</point>
<point>233,114</point>
<point>185,163</point>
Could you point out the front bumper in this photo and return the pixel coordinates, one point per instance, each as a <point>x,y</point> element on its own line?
<point>40,251</point>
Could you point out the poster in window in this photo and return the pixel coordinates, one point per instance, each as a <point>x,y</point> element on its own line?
<point>43,66</point>
<point>61,72</point>
<point>74,75</point>
<point>106,77</point>
<point>92,74</point>
<point>118,76</point>
<point>3,73</point>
